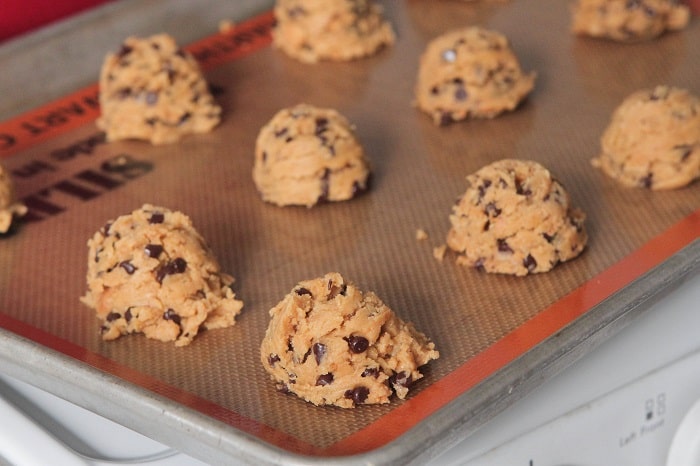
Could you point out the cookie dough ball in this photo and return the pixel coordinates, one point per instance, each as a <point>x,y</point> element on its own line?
<point>155,91</point>
<point>306,155</point>
<point>150,272</point>
<point>338,30</point>
<point>653,140</point>
<point>331,344</point>
<point>628,20</point>
<point>9,208</point>
<point>514,218</point>
<point>470,72</point>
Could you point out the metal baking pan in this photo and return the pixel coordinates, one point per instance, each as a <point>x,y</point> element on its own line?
<point>499,336</point>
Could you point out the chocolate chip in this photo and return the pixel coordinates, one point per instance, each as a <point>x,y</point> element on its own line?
<point>358,189</point>
<point>282,388</point>
<point>153,250</point>
<point>482,188</point>
<point>400,379</point>
<point>325,186</point>
<point>301,291</point>
<point>335,290</point>
<point>521,189</point>
<point>370,372</point>
<point>321,125</point>
<point>491,209</point>
<point>123,93</point>
<point>105,228</point>
<point>178,265</point>
<point>530,263</point>
<point>185,116</point>
<point>659,92</point>
<point>296,11</point>
<point>548,238</point>
<point>358,395</point>
<point>685,151</point>
<point>319,350</point>
<point>281,132</point>
<point>170,314</point>
<point>124,51</point>
<point>128,266</point>
<point>445,118</point>
<point>357,343</point>
<point>273,359</point>
<point>461,94</point>
<point>647,181</point>
<point>156,217</point>
<point>306,356</point>
<point>128,315</point>
<point>324,379</point>
<point>503,246</point>
<point>112,316</point>
<point>479,264</point>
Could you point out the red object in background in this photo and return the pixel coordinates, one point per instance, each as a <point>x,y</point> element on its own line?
<point>20,16</point>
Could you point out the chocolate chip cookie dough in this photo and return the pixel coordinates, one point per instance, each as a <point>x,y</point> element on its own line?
<point>514,218</point>
<point>151,272</point>
<point>331,344</point>
<point>9,207</point>
<point>337,30</point>
<point>470,72</point>
<point>155,91</point>
<point>628,20</point>
<point>653,140</point>
<point>306,155</point>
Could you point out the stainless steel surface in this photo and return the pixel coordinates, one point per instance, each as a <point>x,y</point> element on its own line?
<point>69,53</point>
<point>78,45</point>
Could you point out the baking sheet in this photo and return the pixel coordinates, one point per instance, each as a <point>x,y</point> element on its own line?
<point>498,336</point>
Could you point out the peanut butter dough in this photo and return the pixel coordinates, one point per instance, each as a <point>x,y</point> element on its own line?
<point>306,155</point>
<point>653,140</point>
<point>470,72</point>
<point>331,344</point>
<point>151,272</point>
<point>337,30</point>
<point>155,91</point>
<point>9,207</point>
<point>514,218</point>
<point>628,20</point>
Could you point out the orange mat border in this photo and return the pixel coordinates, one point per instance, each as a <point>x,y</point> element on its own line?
<point>249,37</point>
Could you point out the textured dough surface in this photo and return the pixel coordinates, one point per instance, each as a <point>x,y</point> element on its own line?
<point>336,30</point>
<point>653,140</point>
<point>331,344</point>
<point>628,20</point>
<point>514,218</point>
<point>155,91</point>
<point>305,155</point>
<point>470,72</point>
<point>9,208</point>
<point>151,272</point>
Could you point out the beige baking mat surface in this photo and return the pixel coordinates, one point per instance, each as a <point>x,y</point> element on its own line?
<point>66,173</point>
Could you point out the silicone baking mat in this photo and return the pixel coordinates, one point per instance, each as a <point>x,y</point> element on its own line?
<point>73,182</point>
